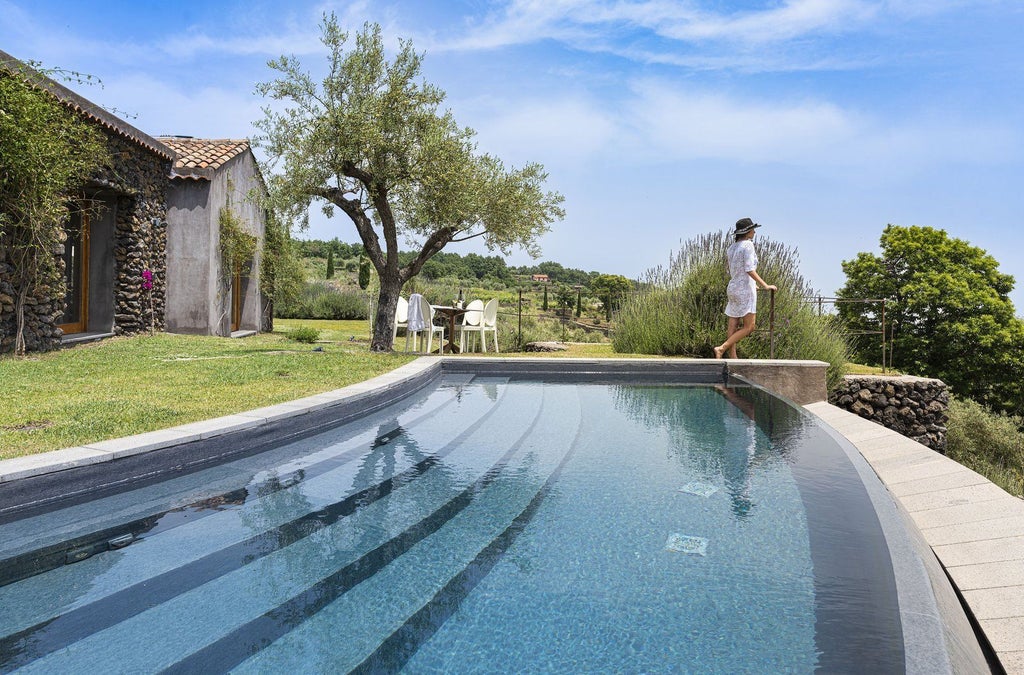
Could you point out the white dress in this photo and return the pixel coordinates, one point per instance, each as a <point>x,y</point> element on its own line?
<point>742,288</point>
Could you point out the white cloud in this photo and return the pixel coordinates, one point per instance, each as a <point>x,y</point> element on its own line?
<point>577,22</point>
<point>564,131</point>
<point>658,123</point>
<point>204,112</point>
<point>693,124</point>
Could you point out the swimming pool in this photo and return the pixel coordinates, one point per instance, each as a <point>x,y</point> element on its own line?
<point>484,524</point>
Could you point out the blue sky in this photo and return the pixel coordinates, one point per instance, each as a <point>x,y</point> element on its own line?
<point>824,120</point>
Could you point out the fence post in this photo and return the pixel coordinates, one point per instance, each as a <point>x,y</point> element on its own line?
<point>519,338</point>
<point>771,324</point>
<point>883,338</point>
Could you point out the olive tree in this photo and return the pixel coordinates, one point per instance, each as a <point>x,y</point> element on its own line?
<point>371,140</point>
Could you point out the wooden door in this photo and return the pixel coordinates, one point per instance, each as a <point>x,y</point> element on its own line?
<point>76,275</point>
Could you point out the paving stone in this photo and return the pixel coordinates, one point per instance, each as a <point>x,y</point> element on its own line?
<point>152,440</point>
<point>58,460</point>
<point>1004,634</point>
<point>1012,662</point>
<point>996,603</point>
<point>950,497</point>
<point>980,552</point>
<point>1001,505</point>
<point>988,575</point>
<point>960,478</point>
<point>997,528</point>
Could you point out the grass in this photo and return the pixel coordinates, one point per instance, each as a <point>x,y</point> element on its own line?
<point>858,369</point>
<point>125,386</point>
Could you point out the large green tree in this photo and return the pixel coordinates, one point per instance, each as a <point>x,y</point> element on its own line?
<point>47,153</point>
<point>612,289</point>
<point>948,309</point>
<point>371,140</point>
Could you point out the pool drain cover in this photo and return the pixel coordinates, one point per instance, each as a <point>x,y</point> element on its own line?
<point>684,543</point>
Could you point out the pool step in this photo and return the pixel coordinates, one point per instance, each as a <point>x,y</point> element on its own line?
<point>474,432</point>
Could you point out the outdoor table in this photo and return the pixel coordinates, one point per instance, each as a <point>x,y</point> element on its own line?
<point>450,313</point>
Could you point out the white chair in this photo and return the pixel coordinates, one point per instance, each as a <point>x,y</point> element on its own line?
<point>401,318</point>
<point>488,323</point>
<point>424,325</point>
<point>470,321</point>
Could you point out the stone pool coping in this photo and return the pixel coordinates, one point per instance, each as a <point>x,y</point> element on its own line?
<point>975,529</point>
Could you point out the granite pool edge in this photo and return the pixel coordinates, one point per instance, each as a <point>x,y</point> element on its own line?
<point>974,528</point>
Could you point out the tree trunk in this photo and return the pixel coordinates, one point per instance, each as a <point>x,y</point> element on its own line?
<point>384,322</point>
<point>19,319</point>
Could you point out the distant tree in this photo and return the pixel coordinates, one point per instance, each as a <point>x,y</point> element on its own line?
<point>330,264</point>
<point>371,140</point>
<point>566,296</point>
<point>364,273</point>
<point>46,154</point>
<point>611,288</point>
<point>949,311</point>
<point>579,303</point>
<point>545,304</point>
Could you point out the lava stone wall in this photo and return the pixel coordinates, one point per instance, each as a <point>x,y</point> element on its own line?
<point>913,406</point>
<point>137,180</point>
<point>43,308</point>
<point>140,238</point>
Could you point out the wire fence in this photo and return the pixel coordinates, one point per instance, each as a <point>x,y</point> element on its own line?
<point>884,332</point>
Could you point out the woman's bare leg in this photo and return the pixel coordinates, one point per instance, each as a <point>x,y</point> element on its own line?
<point>735,323</point>
<point>736,333</point>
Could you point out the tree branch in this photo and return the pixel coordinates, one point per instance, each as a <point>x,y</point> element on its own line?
<point>354,210</point>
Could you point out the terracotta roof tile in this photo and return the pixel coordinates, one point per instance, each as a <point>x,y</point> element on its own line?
<point>201,157</point>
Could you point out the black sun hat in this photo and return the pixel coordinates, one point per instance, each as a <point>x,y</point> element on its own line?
<point>744,225</point>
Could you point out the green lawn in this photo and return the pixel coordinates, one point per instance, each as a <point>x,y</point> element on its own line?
<point>124,386</point>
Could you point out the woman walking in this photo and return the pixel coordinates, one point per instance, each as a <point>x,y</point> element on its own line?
<point>744,280</point>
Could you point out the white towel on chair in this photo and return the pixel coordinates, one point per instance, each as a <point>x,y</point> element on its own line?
<point>417,321</point>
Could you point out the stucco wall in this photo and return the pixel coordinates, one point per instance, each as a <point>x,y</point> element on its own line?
<point>191,257</point>
<point>199,286</point>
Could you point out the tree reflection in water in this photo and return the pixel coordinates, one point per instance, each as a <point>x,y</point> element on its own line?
<point>335,536</point>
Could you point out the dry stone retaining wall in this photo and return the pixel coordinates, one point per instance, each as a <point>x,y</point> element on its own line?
<point>913,406</point>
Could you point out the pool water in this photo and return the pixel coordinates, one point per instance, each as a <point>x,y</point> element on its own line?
<point>482,525</point>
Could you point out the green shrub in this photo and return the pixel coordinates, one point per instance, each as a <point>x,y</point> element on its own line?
<point>306,334</point>
<point>988,442</point>
<point>679,310</point>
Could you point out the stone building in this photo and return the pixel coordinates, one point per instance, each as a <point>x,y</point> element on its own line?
<point>212,182</point>
<point>109,251</point>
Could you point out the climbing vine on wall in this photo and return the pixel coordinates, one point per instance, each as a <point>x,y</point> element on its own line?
<point>46,155</point>
<point>237,247</point>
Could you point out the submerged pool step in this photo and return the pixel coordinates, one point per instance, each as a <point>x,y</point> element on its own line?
<point>39,543</point>
<point>83,546</point>
<point>148,586</point>
<point>412,595</point>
